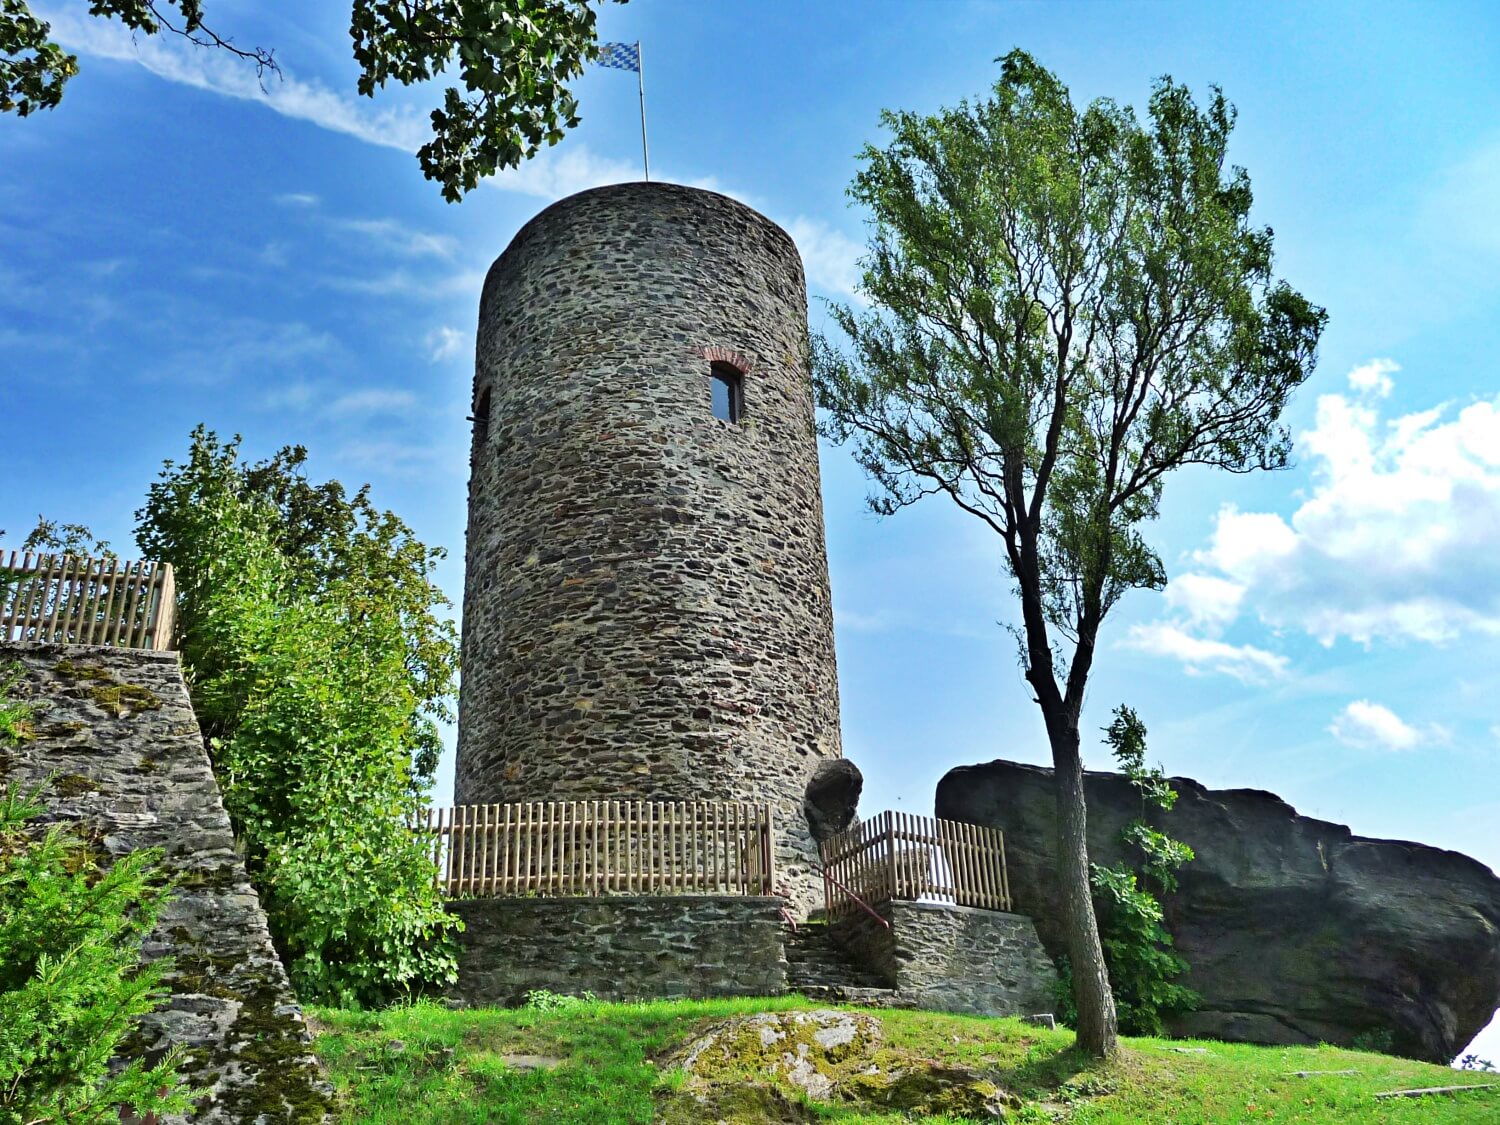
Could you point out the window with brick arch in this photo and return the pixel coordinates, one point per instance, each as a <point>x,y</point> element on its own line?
<point>728,386</point>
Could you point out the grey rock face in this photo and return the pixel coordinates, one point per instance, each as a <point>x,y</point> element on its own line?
<point>620,948</point>
<point>831,798</point>
<point>646,609</point>
<point>116,734</point>
<point>1296,930</point>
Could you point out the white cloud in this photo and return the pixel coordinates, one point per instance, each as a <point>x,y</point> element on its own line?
<point>443,342</point>
<point>374,401</point>
<point>1374,726</point>
<point>1396,540</point>
<point>831,258</point>
<point>1205,601</point>
<point>1245,663</point>
<point>297,199</point>
<point>1374,376</point>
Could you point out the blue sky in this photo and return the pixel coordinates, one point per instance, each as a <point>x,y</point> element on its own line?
<point>178,246</point>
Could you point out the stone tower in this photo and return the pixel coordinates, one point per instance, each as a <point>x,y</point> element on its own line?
<point>646,606</point>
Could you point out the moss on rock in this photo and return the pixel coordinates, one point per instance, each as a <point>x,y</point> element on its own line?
<point>744,1068</point>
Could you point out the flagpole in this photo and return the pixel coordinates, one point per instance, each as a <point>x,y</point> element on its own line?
<point>640,74</point>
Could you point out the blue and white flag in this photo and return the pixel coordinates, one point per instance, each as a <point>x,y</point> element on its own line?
<point>622,56</point>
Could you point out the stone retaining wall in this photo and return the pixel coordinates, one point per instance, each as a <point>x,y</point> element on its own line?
<point>954,958</point>
<point>116,735</point>
<point>620,948</point>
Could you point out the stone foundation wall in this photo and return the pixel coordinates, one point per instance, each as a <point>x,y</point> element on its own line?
<point>620,948</point>
<point>954,958</point>
<point>116,736</point>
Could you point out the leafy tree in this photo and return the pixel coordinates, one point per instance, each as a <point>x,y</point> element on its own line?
<point>1065,306</point>
<point>515,59</point>
<point>71,983</point>
<point>317,666</point>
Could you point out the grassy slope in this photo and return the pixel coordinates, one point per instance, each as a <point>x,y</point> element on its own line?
<point>609,1074</point>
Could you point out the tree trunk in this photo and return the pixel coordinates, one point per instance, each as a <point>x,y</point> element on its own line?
<point>1097,1032</point>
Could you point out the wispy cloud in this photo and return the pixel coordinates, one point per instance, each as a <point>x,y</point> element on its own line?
<point>1374,726</point>
<point>296,199</point>
<point>831,258</point>
<point>443,342</point>
<point>552,174</point>
<point>374,401</point>
<point>1198,655</point>
<point>398,238</point>
<point>239,347</point>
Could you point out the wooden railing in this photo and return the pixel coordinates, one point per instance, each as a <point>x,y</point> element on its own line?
<point>72,599</point>
<point>899,856</point>
<point>602,848</point>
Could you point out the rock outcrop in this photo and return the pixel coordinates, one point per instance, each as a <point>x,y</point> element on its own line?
<point>1296,930</point>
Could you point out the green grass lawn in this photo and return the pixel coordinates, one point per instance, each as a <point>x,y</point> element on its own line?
<point>450,1067</point>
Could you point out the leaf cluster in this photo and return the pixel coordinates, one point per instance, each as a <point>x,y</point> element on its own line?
<point>514,60</point>
<point>72,985</point>
<point>317,665</point>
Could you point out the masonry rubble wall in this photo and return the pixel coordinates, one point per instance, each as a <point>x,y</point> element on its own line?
<point>117,750</point>
<point>646,602</point>
<point>953,958</point>
<point>620,948</point>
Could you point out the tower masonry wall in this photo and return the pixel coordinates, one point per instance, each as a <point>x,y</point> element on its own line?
<point>646,611</point>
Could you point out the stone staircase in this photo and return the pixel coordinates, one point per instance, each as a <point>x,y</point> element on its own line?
<point>819,968</point>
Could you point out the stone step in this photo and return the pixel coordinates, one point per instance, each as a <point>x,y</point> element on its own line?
<point>816,962</point>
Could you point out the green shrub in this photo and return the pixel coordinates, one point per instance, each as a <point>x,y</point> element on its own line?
<point>318,668</point>
<point>1137,946</point>
<point>71,982</point>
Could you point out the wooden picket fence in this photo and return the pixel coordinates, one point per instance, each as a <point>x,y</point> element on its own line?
<point>900,856</point>
<point>602,848</point>
<point>73,599</point>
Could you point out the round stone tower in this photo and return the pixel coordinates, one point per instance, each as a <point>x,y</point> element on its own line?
<point>646,606</point>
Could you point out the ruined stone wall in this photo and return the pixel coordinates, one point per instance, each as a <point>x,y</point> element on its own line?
<point>954,958</point>
<point>646,609</point>
<point>120,752</point>
<point>620,948</point>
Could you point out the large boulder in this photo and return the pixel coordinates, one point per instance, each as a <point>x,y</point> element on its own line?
<point>1296,930</point>
<point>831,797</point>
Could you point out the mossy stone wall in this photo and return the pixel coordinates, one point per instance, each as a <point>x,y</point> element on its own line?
<point>115,733</point>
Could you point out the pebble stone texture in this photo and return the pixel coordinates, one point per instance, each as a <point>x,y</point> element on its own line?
<point>646,608</point>
<point>620,948</point>
<point>953,958</point>
<point>115,733</point>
